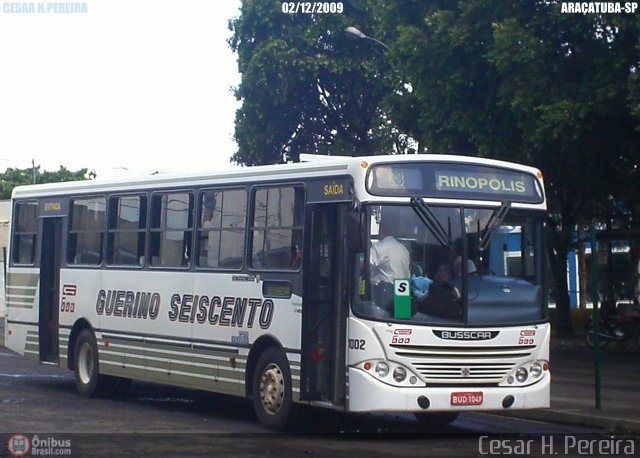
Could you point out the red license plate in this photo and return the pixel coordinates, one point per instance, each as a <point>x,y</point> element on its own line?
<point>467,398</point>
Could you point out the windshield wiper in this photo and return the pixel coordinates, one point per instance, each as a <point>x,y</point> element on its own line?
<point>494,221</point>
<point>429,219</point>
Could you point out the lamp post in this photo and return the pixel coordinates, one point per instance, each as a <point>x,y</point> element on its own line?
<point>355,32</point>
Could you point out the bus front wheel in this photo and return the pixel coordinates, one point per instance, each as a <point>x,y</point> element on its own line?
<point>88,379</point>
<point>272,399</point>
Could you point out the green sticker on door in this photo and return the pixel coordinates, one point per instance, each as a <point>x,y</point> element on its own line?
<point>401,298</point>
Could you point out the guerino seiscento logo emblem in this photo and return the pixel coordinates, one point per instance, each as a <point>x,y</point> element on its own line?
<point>19,445</point>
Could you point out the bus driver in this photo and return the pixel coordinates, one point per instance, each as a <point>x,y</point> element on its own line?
<point>389,260</point>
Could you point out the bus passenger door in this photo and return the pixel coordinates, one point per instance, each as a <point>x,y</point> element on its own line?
<point>323,307</point>
<point>50,256</point>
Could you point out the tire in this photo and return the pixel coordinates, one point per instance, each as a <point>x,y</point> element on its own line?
<point>590,337</point>
<point>436,420</point>
<point>272,399</point>
<point>89,382</point>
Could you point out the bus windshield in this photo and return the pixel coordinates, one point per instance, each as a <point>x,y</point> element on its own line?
<point>463,266</point>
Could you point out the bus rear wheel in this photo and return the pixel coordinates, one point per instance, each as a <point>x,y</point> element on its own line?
<point>89,382</point>
<point>272,400</point>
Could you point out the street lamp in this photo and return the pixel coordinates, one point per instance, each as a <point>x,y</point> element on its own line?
<point>358,34</point>
<point>391,62</point>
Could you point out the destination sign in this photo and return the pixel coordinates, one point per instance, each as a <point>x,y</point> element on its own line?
<point>448,180</point>
<point>481,182</point>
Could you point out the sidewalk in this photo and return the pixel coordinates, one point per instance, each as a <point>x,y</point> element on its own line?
<point>573,387</point>
<point>573,382</point>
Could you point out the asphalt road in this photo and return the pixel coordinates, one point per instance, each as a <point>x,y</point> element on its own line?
<point>153,420</point>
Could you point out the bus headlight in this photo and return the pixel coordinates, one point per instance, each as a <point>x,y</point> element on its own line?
<point>522,374</point>
<point>391,373</point>
<point>535,370</point>
<point>382,369</point>
<point>399,374</point>
<point>526,374</point>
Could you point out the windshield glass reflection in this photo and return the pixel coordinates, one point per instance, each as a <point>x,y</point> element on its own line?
<point>451,265</point>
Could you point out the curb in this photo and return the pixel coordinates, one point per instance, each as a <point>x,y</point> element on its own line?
<point>577,417</point>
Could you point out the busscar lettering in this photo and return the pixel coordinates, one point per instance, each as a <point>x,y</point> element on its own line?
<point>228,311</point>
<point>128,304</point>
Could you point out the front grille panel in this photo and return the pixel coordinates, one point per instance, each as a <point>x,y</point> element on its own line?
<point>463,364</point>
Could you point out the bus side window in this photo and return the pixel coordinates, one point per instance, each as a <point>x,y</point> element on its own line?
<point>222,228</point>
<point>86,231</point>
<point>126,230</point>
<point>26,230</point>
<point>171,229</point>
<point>277,228</point>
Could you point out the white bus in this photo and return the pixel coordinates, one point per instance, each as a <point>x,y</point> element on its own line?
<point>261,282</point>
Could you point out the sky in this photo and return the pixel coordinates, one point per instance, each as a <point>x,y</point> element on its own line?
<point>121,87</point>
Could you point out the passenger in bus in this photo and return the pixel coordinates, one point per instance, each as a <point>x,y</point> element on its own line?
<point>296,257</point>
<point>443,299</point>
<point>208,205</point>
<point>453,266</point>
<point>389,260</point>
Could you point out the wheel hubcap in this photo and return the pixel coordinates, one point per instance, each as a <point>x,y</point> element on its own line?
<point>272,389</point>
<point>85,363</point>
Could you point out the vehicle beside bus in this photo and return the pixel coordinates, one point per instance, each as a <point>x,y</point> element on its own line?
<point>259,283</point>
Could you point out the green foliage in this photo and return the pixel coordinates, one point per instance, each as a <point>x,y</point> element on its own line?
<point>520,81</point>
<point>505,79</point>
<point>19,177</point>
<point>307,86</point>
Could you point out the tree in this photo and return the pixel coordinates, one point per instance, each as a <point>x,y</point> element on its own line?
<point>504,79</point>
<point>19,177</point>
<point>307,86</point>
<point>523,82</point>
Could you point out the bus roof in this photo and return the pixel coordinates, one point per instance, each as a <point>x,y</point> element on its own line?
<point>310,166</point>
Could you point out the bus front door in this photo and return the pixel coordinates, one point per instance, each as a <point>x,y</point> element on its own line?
<point>51,252</point>
<point>322,376</point>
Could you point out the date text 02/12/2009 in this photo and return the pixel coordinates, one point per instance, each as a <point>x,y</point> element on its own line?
<point>312,7</point>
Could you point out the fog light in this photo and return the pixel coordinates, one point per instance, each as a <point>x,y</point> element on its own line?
<point>521,375</point>
<point>424,402</point>
<point>508,401</point>
<point>399,374</point>
<point>509,380</point>
<point>535,370</point>
<point>382,369</point>
<point>413,380</point>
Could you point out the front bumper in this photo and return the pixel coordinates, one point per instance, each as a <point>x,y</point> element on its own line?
<point>366,394</point>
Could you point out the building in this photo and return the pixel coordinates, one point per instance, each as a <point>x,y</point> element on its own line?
<point>5,224</point>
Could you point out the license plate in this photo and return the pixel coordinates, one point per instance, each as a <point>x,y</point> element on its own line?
<point>467,398</point>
